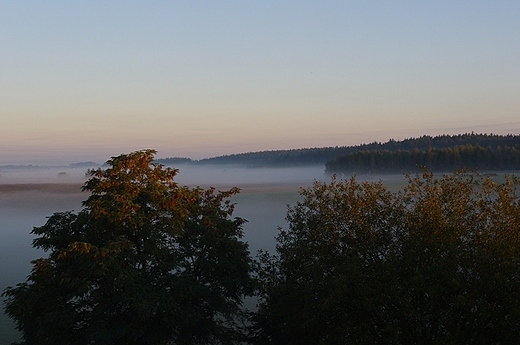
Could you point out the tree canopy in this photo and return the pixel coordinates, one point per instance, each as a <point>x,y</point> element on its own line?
<point>436,263</point>
<point>145,261</point>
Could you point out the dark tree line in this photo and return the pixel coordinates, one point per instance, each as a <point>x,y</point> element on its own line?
<point>467,156</point>
<point>318,156</point>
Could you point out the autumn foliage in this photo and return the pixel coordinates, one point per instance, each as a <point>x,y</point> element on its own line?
<point>144,262</point>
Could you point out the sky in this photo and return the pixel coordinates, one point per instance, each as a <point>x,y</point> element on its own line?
<point>87,80</point>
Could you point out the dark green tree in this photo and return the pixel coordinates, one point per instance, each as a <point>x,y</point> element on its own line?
<point>146,261</point>
<point>323,287</point>
<point>436,263</point>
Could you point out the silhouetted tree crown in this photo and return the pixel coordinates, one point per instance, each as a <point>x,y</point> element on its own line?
<point>437,263</point>
<point>146,261</point>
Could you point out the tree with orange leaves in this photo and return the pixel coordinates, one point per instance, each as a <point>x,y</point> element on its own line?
<point>145,261</point>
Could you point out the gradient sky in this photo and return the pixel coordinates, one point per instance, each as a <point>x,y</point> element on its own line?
<point>86,80</point>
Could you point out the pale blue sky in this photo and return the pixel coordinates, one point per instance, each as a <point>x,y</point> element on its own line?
<point>86,80</point>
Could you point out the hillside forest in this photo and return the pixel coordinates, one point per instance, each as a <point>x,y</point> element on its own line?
<point>444,153</point>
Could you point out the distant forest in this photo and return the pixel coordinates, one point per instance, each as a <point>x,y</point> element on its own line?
<point>439,153</point>
<point>435,159</point>
<point>442,153</point>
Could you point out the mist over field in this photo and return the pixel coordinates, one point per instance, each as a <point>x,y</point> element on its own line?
<point>204,175</point>
<point>29,195</point>
<point>22,208</point>
<point>42,175</point>
<point>241,176</point>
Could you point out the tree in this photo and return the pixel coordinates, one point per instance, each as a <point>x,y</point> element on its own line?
<point>321,286</point>
<point>144,262</point>
<point>437,263</point>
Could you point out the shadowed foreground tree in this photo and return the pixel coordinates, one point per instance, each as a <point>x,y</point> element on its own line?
<point>144,262</point>
<point>437,263</point>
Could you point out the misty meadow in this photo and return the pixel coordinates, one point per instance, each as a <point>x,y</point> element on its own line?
<point>29,196</point>
<point>145,255</point>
